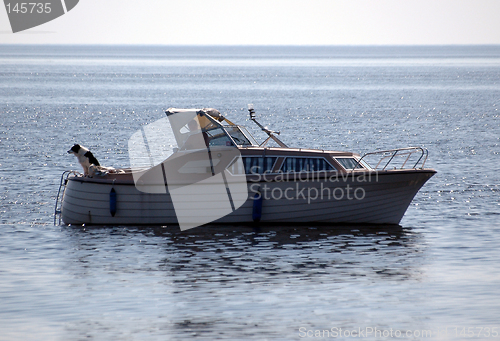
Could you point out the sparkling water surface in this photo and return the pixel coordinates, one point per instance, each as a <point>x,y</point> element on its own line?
<point>438,272</point>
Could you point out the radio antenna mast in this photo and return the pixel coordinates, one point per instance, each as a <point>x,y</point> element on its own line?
<point>269,132</point>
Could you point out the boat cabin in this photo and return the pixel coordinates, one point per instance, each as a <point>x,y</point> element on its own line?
<point>198,129</point>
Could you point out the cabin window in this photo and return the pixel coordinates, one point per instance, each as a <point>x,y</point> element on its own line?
<point>258,164</point>
<point>237,166</point>
<point>305,164</point>
<point>349,163</point>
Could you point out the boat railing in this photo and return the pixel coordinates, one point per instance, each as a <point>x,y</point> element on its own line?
<point>405,155</point>
<point>60,193</point>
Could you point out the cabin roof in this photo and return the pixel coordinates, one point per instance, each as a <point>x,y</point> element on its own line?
<point>248,150</point>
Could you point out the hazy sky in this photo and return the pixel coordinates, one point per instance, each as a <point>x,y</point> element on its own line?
<point>291,22</point>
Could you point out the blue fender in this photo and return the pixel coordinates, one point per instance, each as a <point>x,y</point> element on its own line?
<point>257,207</point>
<point>112,202</point>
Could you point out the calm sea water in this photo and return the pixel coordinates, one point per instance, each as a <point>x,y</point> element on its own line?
<point>438,272</point>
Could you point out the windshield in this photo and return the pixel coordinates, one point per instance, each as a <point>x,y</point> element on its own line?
<point>194,129</point>
<point>217,137</point>
<point>240,135</point>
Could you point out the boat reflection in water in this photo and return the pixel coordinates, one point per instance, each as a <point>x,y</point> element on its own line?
<point>205,279</point>
<point>301,250</point>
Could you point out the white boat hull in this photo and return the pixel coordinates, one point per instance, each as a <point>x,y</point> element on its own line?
<point>382,199</point>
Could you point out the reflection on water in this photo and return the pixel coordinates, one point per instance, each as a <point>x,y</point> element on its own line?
<point>243,253</point>
<point>226,281</point>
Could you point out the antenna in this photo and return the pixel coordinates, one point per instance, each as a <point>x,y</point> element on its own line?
<point>251,111</point>
<point>270,133</point>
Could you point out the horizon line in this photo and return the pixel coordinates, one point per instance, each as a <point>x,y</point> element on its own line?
<point>252,45</point>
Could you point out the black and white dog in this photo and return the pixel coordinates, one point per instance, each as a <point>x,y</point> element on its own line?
<point>85,157</point>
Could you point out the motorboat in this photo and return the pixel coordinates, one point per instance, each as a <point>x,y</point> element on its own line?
<point>216,172</point>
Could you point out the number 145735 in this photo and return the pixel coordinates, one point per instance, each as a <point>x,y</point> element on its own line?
<point>29,7</point>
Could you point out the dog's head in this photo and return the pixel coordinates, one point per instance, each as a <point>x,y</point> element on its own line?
<point>75,149</point>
